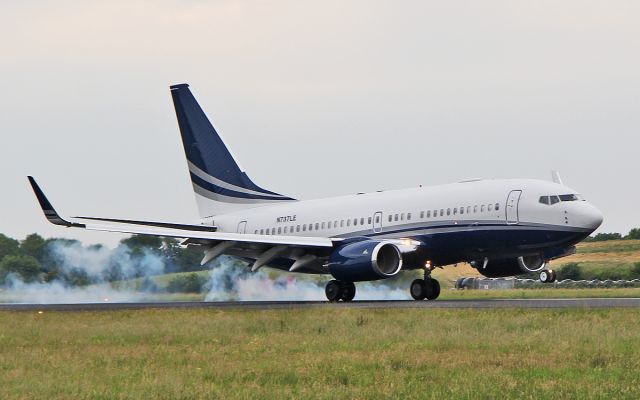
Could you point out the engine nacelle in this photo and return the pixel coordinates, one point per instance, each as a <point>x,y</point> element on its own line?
<point>498,268</point>
<point>368,260</point>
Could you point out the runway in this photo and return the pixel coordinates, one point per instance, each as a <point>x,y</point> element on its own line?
<point>379,304</point>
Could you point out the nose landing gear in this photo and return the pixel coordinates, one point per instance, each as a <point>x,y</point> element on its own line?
<point>547,276</point>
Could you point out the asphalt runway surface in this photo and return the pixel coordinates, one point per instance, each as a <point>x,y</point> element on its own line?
<point>379,304</point>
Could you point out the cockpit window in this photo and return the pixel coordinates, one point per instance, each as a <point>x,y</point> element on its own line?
<point>570,197</point>
<point>550,200</point>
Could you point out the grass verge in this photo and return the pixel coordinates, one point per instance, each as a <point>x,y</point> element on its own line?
<point>321,353</point>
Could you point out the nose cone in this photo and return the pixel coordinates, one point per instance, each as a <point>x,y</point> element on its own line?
<point>592,217</point>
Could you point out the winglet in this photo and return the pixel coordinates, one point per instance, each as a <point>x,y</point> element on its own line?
<point>555,176</point>
<point>48,210</point>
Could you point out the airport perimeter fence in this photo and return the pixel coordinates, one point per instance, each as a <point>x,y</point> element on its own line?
<point>517,283</point>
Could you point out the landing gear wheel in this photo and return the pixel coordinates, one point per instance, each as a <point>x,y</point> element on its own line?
<point>433,290</point>
<point>348,291</point>
<point>418,289</point>
<point>333,290</point>
<point>547,276</point>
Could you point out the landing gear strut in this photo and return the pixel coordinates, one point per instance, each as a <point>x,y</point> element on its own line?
<point>547,276</point>
<point>427,288</point>
<point>340,290</point>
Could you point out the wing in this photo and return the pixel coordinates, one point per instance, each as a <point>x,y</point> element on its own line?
<point>305,253</point>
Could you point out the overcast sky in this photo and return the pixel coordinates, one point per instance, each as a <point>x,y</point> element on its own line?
<point>315,98</point>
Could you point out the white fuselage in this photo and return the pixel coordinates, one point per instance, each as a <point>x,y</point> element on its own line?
<point>461,203</point>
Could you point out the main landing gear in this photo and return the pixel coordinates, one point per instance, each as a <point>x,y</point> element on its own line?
<point>340,290</point>
<point>427,288</point>
<point>547,276</point>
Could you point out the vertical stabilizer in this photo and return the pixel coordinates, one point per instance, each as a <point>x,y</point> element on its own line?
<point>220,185</point>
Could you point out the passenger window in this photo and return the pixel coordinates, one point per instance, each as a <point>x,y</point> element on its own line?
<point>317,226</point>
<point>429,214</point>
<point>279,231</point>
<point>554,199</point>
<point>461,210</point>
<point>490,207</point>
<point>322,227</point>
<point>395,217</point>
<point>341,223</point>
<point>362,221</point>
<point>482,208</point>
<point>273,231</point>
<point>297,228</point>
<point>455,211</point>
<point>435,213</point>
<point>421,214</point>
<point>390,217</point>
<point>369,220</point>
<point>285,229</point>
<point>335,224</point>
<point>402,217</point>
<point>355,221</point>
<point>304,227</point>
<point>448,211</point>
<point>408,216</point>
<point>475,209</point>
<point>497,206</point>
<point>468,209</point>
<point>442,212</point>
<point>348,222</point>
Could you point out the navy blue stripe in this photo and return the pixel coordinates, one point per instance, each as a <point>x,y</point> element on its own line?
<point>461,226</point>
<point>230,193</point>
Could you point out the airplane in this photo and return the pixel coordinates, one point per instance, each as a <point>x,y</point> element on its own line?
<point>501,227</point>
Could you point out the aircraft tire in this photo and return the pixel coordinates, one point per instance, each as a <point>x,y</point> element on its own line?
<point>418,289</point>
<point>434,289</point>
<point>544,276</point>
<point>348,291</point>
<point>333,291</point>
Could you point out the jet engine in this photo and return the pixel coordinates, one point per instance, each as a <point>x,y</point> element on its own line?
<point>497,268</point>
<point>367,260</point>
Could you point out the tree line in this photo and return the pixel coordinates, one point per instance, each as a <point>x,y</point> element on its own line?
<point>634,234</point>
<point>36,259</point>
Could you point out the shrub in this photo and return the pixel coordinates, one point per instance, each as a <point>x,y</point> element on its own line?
<point>190,283</point>
<point>601,237</point>
<point>570,271</point>
<point>27,267</point>
<point>633,234</point>
<point>635,271</point>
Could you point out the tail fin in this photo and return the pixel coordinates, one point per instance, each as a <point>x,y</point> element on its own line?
<point>220,185</point>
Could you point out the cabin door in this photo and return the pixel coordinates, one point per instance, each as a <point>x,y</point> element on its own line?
<point>377,222</point>
<point>511,209</point>
<point>242,227</point>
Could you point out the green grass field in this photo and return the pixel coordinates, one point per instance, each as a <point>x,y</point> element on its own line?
<point>321,353</point>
